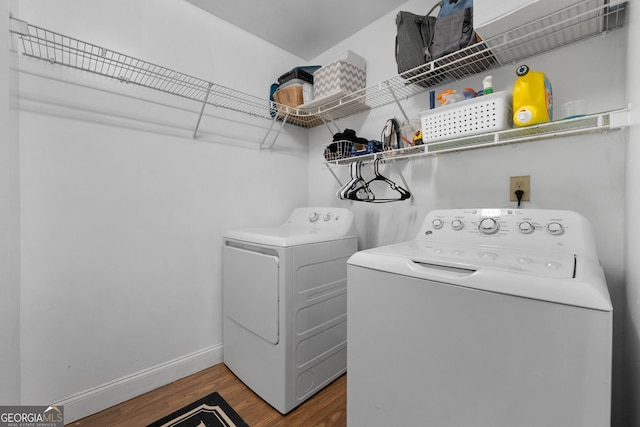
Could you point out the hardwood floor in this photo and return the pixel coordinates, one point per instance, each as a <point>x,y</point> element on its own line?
<point>328,408</point>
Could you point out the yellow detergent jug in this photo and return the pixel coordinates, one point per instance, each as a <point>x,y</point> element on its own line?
<point>532,98</point>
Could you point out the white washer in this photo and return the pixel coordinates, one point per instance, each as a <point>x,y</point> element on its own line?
<point>285,304</point>
<point>490,317</point>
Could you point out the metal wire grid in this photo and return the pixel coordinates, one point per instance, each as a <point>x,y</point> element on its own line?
<point>398,154</point>
<point>577,126</point>
<point>337,150</point>
<point>295,116</point>
<point>56,48</point>
<point>585,19</point>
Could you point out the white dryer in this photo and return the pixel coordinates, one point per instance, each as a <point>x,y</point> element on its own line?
<point>285,304</point>
<point>490,317</point>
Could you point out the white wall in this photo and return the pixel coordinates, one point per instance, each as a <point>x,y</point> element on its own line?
<point>584,173</point>
<point>9,227</point>
<point>123,212</point>
<point>632,297</point>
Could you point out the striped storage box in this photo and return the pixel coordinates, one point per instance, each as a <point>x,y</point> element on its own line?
<point>338,78</point>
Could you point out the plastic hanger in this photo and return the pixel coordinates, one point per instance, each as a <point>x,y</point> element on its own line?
<point>403,193</point>
<point>357,188</point>
<point>360,190</point>
<point>342,193</point>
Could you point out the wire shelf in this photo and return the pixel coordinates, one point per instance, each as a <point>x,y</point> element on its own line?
<point>585,19</point>
<point>593,123</point>
<point>56,48</point>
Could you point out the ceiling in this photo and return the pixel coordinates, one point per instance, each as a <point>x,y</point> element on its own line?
<point>305,28</point>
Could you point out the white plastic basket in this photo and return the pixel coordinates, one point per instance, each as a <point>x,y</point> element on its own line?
<point>487,113</point>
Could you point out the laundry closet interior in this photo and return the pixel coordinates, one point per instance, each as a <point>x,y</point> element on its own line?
<point>117,194</point>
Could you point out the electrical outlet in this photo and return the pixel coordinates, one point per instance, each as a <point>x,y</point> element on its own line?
<point>520,183</point>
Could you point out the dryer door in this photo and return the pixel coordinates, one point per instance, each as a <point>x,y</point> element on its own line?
<point>250,288</point>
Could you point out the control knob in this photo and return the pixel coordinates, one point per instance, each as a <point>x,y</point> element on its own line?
<point>327,217</point>
<point>313,217</point>
<point>555,228</point>
<point>526,227</point>
<point>488,226</point>
<point>437,223</point>
<point>457,225</point>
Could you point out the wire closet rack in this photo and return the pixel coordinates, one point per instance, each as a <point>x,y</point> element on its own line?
<point>580,21</point>
<point>592,123</point>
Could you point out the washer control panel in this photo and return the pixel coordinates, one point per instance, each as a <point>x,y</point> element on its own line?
<point>532,228</point>
<point>319,216</point>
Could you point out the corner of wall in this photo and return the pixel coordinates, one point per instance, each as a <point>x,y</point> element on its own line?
<point>10,386</point>
<point>631,388</point>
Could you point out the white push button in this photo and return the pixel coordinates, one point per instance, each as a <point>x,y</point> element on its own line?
<point>490,256</point>
<point>553,266</point>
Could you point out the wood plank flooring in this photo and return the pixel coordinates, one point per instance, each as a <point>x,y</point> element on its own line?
<point>328,408</point>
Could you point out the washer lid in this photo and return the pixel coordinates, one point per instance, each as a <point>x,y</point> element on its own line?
<point>553,276</point>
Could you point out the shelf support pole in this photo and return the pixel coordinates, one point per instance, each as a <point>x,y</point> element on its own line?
<point>395,98</point>
<point>329,127</point>
<point>334,174</point>
<point>204,104</point>
<point>273,122</point>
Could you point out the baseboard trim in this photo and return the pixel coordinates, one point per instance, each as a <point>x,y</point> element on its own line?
<point>97,399</point>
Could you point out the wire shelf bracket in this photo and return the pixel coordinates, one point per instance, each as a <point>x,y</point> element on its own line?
<point>204,105</point>
<point>275,137</point>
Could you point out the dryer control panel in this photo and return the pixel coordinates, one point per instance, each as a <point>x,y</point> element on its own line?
<point>518,228</point>
<point>335,220</point>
